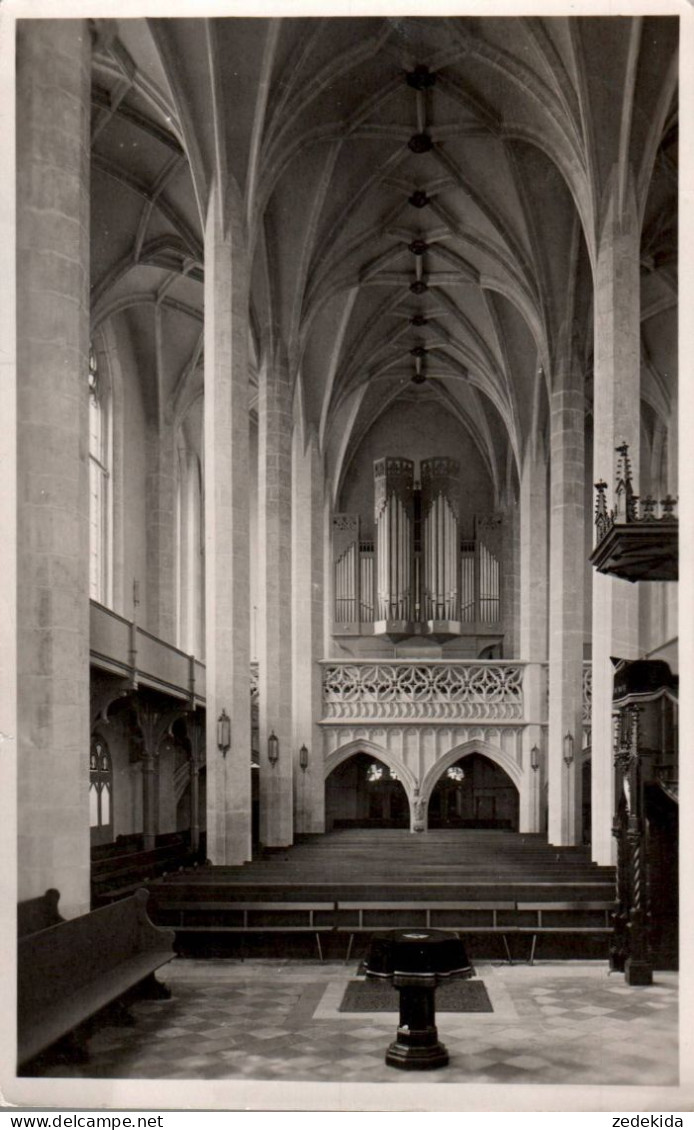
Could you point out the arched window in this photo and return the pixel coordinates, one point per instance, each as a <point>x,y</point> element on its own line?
<point>99,485</point>
<point>100,791</point>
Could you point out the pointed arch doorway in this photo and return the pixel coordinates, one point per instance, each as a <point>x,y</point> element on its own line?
<point>364,792</point>
<point>474,792</point>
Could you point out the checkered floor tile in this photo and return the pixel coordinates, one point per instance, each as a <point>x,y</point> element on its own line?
<point>567,1022</point>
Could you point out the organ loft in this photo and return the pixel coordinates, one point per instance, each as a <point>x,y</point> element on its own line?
<point>346,473</point>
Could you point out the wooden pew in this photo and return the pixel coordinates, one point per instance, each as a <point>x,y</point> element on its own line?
<point>551,918</point>
<point>69,971</point>
<point>114,876</point>
<point>502,918</point>
<point>194,916</point>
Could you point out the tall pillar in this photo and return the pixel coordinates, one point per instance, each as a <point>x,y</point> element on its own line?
<point>53,114</point>
<point>161,556</point>
<point>227,556</point>
<point>510,588</point>
<point>616,414</point>
<point>566,596</point>
<point>531,813</point>
<point>195,725</point>
<point>308,552</point>
<point>534,550</point>
<point>534,555</point>
<point>275,611</point>
<point>188,566</point>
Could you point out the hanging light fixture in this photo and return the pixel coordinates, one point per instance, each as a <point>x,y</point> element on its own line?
<point>273,748</point>
<point>535,758</point>
<point>303,757</point>
<point>223,733</point>
<point>568,748</point>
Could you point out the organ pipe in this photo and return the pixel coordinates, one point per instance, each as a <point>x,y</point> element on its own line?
<point>394,518</point>
<point>440,520</point>
<point>346,568</point>
<point>366,582</point>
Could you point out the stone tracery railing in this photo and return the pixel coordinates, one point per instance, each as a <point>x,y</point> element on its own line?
<point>416,690</point>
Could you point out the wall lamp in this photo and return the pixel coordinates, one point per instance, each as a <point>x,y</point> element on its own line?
<point>568,748</point>
<point>223,733</point>
<point>273,748</point>
<point>303,758</point>
<point>535,758</point>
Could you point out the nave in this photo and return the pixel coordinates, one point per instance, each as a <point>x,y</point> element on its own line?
<point>347,463</point>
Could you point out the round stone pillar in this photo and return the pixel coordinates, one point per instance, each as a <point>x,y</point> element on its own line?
<point>617,417</point>
<point>53,115</point>
<point>275,619</point>
<point>566,607</point>
<point>227,553</point>
<point>308,608</point>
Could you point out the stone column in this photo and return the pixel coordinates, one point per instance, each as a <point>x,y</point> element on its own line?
<point>533,552</point>
<point>566,595</point>
<point>195,726</point>
<point>161,549</point>
<point>227,557</point>
<point>53,114</point>
<point>534,557</point>
<point>275,603</point>
<point>616,414</point>
<point>534,735</point>
<point>150,812</point>
<point>154,718</point>
<point>510,577</point>
<point>307,639</point>
<point>188,567</point>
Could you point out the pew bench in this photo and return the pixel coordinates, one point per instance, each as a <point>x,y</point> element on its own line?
<point>115,875</point>
<point>548,919</point>
<point>229,917</point>
<point>68,972</point>
<point>501,918</point>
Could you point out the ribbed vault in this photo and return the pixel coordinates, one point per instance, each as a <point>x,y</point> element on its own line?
<point>421,201</point>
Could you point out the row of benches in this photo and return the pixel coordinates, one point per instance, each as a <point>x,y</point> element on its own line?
<point>119,869</point>
<point>68,970</point>
<point>502,918</point>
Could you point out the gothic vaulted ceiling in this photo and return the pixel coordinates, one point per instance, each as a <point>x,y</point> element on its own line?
<point>421,200</point>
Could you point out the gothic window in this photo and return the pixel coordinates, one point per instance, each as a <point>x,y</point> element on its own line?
<point>99,484</point>
<point>100,790</point>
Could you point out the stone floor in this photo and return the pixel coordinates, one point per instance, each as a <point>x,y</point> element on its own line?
<point>553,1023</point>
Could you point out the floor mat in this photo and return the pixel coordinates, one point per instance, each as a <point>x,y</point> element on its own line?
<point>380,996</point>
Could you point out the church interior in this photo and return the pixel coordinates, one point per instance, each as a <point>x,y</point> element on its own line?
<point>347,539</point>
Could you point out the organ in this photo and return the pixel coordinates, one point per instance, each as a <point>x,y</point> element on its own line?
<point>418,576</point>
